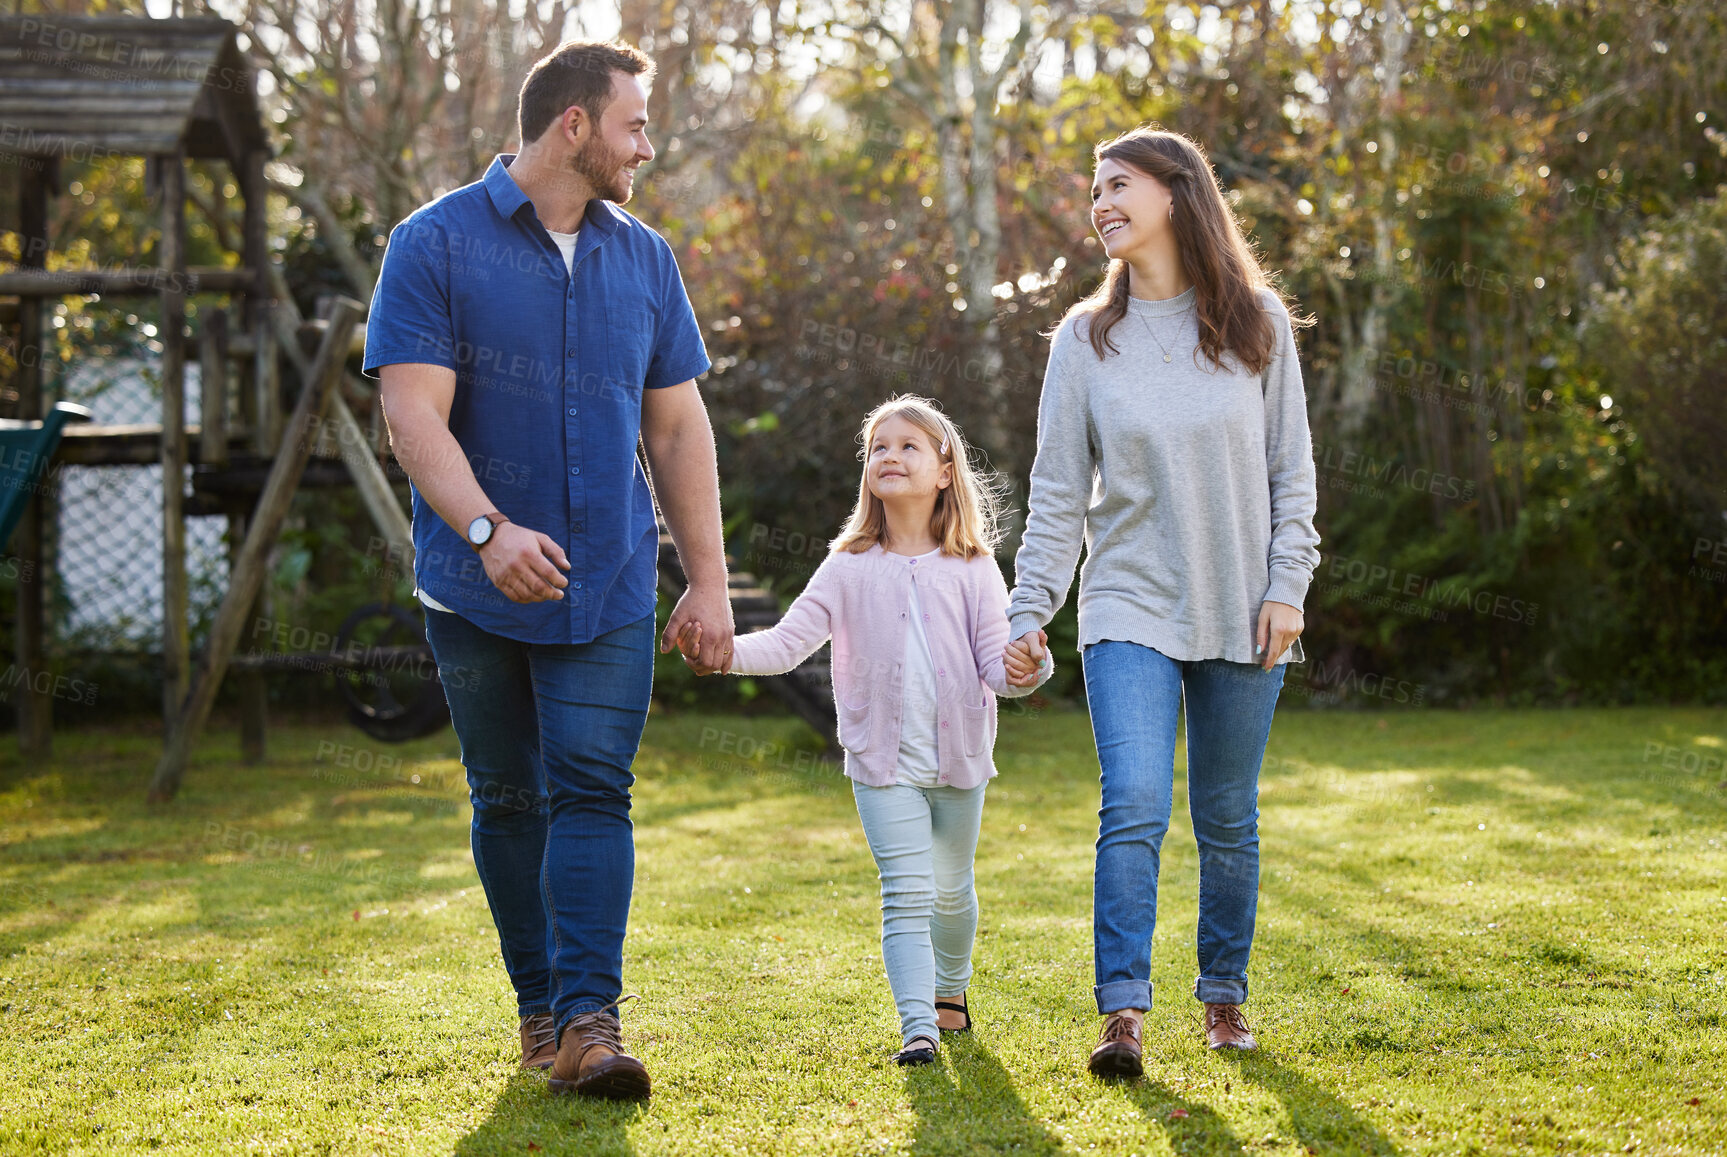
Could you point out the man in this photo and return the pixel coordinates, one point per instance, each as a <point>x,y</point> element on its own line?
<point>527,330</point>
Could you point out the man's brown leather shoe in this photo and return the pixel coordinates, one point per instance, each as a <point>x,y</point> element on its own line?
<point>1118,1052</point>
<point>1225,1028</point>
<point>591,1059</point>
<point>539,1041</point>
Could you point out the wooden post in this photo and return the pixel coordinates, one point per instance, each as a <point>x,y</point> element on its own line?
<point>372,483</point>
<point>264,405</point>
<point>265,525</point>
<point>35,708</point>
<point>176,643</point>
<point>251,685</point>
<point>213,390</point>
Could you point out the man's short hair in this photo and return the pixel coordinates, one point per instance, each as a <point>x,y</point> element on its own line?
<point>577,72</point>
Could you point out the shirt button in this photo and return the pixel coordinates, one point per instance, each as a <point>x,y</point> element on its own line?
<point>572,353</point>
<point>575,528</point>
<point>575,469</point>
<point>578,586</point>
<point>942,673</point>
<point>572,411</point>
<point>944,723</point>
<point>926,618</point>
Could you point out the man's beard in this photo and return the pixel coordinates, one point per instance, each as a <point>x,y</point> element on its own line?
<point>604,170</point>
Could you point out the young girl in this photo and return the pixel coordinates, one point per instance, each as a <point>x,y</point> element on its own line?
<point>917,610</point>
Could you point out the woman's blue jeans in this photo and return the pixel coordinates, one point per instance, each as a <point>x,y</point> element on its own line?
<point>548,733</point>
<point>1136,694</point>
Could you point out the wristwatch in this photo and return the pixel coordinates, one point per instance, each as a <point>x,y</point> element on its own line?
<point>480,530</point>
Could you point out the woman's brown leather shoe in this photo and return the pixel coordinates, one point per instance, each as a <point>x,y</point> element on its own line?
<point>1119,1052</point>
<point>539,1041</point>
<point>1226,1028</point>
<point>591,1059</point>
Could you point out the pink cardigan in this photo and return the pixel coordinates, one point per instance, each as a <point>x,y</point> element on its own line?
<point>862,600</point>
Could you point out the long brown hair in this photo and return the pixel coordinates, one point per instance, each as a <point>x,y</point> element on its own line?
<point>1216,256</point>
<point>966,520</point>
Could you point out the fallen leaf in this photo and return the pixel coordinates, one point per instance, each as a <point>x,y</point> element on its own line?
<point>1177,1114</point>
<point>1346,992</point>
<point>356,913</point>
<point>1694,1101</point>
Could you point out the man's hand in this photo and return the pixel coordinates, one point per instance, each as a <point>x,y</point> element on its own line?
<point>520,563</point>
<point>1279,625</point>
<point>712,611</point>
<point>1025,658</point>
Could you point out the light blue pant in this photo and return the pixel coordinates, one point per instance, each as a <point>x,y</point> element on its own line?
<point>923,840</point>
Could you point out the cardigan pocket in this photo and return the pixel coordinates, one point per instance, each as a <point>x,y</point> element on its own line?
<point>854,726</point>
<point>974,724</point>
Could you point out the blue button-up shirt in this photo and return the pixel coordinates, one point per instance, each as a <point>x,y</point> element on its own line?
<point>550,368</point>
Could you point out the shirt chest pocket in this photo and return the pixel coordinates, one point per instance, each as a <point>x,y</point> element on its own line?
<point>630,334</point>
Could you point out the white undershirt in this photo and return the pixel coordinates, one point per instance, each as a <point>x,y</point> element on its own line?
<point>566,246</point>
<point>917,765</point>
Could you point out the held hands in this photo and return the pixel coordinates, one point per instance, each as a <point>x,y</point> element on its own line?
<point>1026,658</point>
<point>520,563</point>
<point>709,610</point>
<point>1279,625</point>
<point>690,647</point>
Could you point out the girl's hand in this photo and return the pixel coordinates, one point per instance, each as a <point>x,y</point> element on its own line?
<point>1025,658</point>
<point>690,647</point>
<point>1279,625</point>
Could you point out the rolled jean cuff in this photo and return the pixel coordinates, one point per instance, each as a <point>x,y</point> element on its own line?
<point>533,1007</point>
<point>1120,994</point>
<point>1214,991</point>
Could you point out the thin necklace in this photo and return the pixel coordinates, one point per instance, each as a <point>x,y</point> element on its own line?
<point>1145,322</point>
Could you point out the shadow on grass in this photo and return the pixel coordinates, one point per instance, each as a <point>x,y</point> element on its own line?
<point>1191,1127</point>
<point>1322,1123</point>
<point>968,1104</point>
<point>527,1118</point>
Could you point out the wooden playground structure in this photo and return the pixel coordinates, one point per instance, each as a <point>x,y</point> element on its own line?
<point>278,400</point>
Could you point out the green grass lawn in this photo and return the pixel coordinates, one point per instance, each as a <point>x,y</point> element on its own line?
<point>1497,932</point>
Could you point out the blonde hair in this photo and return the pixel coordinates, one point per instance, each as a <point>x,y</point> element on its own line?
<point>967,516</point>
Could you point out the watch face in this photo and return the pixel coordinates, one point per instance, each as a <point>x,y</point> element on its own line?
<point>480,531</point>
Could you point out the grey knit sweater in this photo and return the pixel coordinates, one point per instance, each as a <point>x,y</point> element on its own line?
<point>1193,489</point>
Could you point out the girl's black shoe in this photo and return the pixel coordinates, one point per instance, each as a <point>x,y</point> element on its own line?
<point>950,1006</point>
<point>911,1055</point>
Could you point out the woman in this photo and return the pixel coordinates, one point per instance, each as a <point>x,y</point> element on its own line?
<point>1172,439</point>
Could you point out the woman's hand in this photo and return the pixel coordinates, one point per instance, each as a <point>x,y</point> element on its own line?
<point>1025,657</point>
<point>690,647</point>
<point>1279,625</point>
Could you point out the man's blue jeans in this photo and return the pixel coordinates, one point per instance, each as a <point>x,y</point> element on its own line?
<point>1136,693</point>
<point>548,732</point>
